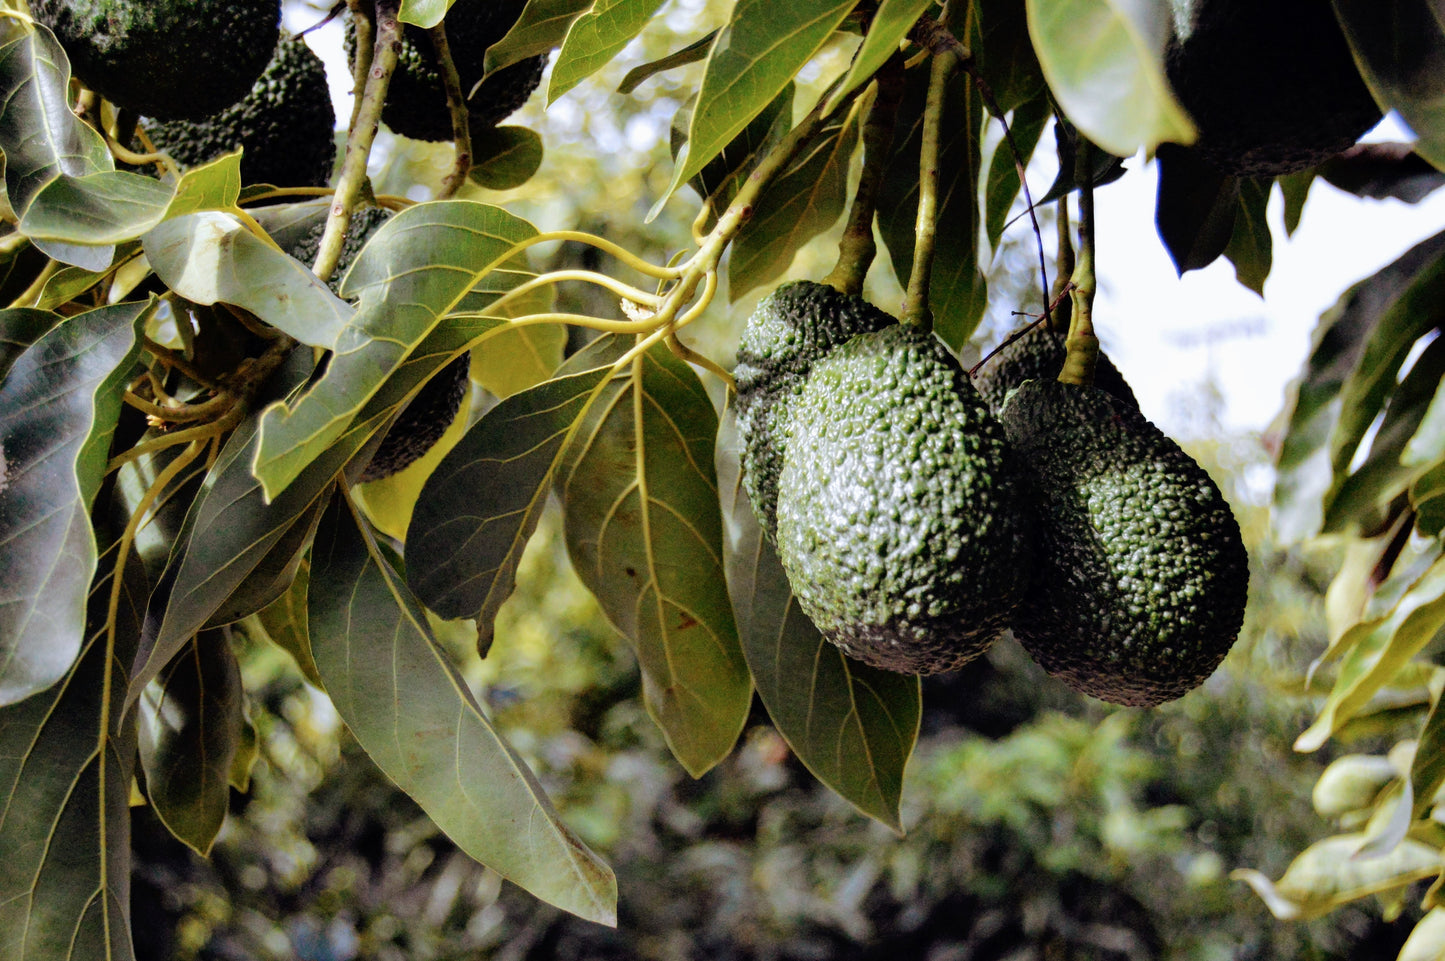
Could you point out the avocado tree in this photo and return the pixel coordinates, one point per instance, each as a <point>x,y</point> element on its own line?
<point>214,388</point>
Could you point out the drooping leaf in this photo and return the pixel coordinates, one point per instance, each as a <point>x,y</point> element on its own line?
<point>1381,170</point>
<point>211,257</point>
<point>1306,464</point>
<point>273,574</point>
<point>595,38</point>
<point>417,719</point>
<point>1250,246</point>
<point>756,55</point>
<point>1296,190</point>
<point>1400,47</point>
<point>692,53</point>
<point>1374,650</point>
<point>718,182</point>
<point>482,503</point>
<point>644,532</point>
<point>889,26</point>
<point>1327,874</point>
<point>803,201</point>
<point>58,408</point>
<point>39,135</point>
<point>1104,61</point>
<point>191,726</point>
<point>958,290</point>
<point>854,726</point>
<point>413,271</point>
<point>66,762</point>
<point>285,623</point>
<point>540,28</point>
<point>1195,209</point>
<point>505,157</point>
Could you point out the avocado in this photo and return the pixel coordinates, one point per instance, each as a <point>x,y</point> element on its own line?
<point>1141,576</point>
<point>416,100</point>
<point>1271,84</point>
<point>167,59</point>
<point>364,223</point>
<point>285,124</point>
<point>1039,353</point>
<point>422,422</point>
<point>789,331</point>
<point>901,520</point>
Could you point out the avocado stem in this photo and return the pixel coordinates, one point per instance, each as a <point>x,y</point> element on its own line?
<point>1081,345</point>
<point>364,121</point>
<point>457,108</point>
<point>915,303</point>
<point>1063,271</point>
<point>857,248</point>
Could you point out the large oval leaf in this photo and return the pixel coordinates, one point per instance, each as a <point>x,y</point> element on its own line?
<point>595,38</point>
<point>854,726</point>
<point>414,714</point>
<point>58,408</point>
<point>643,528</point>
<point>1104,61</point>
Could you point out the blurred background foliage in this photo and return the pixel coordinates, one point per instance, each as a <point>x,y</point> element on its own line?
<point>1040,825</point>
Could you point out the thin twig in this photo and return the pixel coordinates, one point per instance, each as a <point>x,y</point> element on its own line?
<point>1035,319</point>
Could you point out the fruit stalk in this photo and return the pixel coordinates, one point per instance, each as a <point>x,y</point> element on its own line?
<point>457,108</point>
<point>360,137</point>
<point>1082,345</point>
<point>916,311</point>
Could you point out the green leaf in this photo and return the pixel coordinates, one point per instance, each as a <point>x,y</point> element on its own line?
<point>1327,874</point>
<point>480,506</point>
<point>1027,125</point>
<point>58,409</point>
<point>191,726</point>
<point>19,328</point>
<point>1375,650</point>
<point>1306,466</point>
<point>1296,190</point>
<point>1351,783</point>
<point>273,574</point>
<point>505,157</point>
<point>1427,941</point>
<point>1427,496</point>
<point>692,53</point>
<point>890,25</point>
<point>414,714</point>
<point>1250,246</point>
<point>1196,208</point>
<point>211,257</point>
<point>757,54</point>
<point>958,290</point>
<point>1427,769</point>
<point>285,623</point>
<point>66,762</point>
<point>595,38</point>
<point>854,726</point>
<point>1408,439</point>
<point>719,181</point>
<point>803,201</point>
<point>40,137</point>
<point>520,357</point>
<point>540,28</point>
<point>1400,48</point>
<point>1005,54</point>
<point>423,13</point>
<point>1382,171</point>
<point>1104,61</point>
<point>100,209</point>
<point>412,272</point>
<point>643,528</point>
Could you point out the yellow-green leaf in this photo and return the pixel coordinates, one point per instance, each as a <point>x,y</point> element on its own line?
<point>1328,874</point>
<point>595,38</point>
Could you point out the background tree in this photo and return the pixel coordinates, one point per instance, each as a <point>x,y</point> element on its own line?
<point>187,410</point>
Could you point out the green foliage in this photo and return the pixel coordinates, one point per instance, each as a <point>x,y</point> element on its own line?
<point>198,370</point>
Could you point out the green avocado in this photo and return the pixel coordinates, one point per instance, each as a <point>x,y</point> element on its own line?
<point>1141,578</point>
<point>1271,84</point>
<point>790,330</point>
<point>167,59</point>
<point>286,125</point>
<point>1039,354</point>
<point>416,100</point>
<point>901,521</point>
<point>364,223</point>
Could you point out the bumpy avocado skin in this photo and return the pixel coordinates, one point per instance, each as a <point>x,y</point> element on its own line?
<point>285,124</point>
<point>416,100</point>
<point>900,509</point>
<point>790,330</point>
<point>422,422</point>
<point>363,224</point>
<point>1141,580</point>
<point>167,59</point>
<point>1271,84</point>
<point>1039,354</point>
